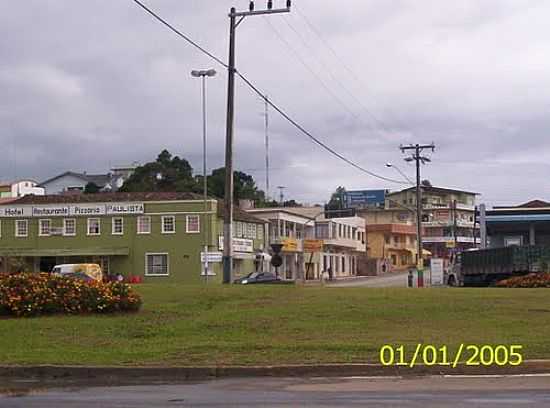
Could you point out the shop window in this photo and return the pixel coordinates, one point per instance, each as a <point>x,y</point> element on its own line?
<point>118,226</point>
<point>168,224</point>
<point>44,228</point>
<point>144,225</point>
<point>156,265</point>
<point>21,228</point>
<point>69,227</point>
<point>94,226</point>
<point>192,223</point>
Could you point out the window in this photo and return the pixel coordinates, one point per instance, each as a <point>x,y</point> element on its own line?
<point>21,228</point>
<point>260,232</point>
<point>156,265</point>
<point>238,229</point>
<point>69,227</point>
<point>118,226</point>
<point>193,224</point>
<point>251,231</point>
<point>44,228</point>
<point>168,224</point>
<point>94,226</point>
<point>387,239</point>
<point>144,225</point>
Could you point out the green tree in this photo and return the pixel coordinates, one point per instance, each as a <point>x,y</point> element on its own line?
<point>244,186</point>
<point>91,188</point>
<point>166,173</point>
<point>337,199</point>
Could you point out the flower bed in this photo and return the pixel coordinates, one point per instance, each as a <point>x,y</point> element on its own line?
<point>40,294</point>
<point>533,280</point>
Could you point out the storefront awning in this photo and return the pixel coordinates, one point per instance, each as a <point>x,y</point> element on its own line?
<point>125,251</point>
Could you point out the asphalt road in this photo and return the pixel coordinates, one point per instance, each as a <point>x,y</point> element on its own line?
<point>425,392</point>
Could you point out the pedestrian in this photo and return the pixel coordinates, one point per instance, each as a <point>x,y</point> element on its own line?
<point>330,275</point>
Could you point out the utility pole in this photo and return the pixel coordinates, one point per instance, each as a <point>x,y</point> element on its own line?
<point>281,194</point>
<point>455,226</point>
<point>266,114</point>
<point>228,199</point>
<point>417,150</point>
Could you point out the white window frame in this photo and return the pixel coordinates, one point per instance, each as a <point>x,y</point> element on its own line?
<point>148,217</point>
<point>65,233</point>
<point>147,254</point>
<point>40,221</point>
<point>187,230</point>
<point>88,227</point>
<point>113,223</point>
<point>17,234</point>
<point>165,217</point>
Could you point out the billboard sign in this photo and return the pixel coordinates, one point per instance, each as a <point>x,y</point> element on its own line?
<point>365,198</point>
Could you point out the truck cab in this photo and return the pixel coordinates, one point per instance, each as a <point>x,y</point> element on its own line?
<point>453,272</point>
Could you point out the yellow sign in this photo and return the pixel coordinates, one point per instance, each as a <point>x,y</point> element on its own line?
<point>290,245</point>
<point>450,244</point>
<point>313,245</point>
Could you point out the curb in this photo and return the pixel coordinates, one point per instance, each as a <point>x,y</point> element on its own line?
<point>51,372</point>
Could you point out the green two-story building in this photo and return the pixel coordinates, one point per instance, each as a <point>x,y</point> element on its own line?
<point>156,236</point>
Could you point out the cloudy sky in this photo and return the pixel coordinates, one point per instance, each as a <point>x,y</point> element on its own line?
<point>87,84</point>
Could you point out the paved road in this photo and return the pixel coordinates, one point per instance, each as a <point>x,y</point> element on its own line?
<point>425,392</point>
<point>397,280</point>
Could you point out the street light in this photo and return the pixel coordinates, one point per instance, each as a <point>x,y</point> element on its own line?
<point>400,172</point>
<point>204,74</point>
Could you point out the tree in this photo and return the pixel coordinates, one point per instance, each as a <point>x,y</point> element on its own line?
<point>337,199</point>
<point>244,186</point>
<point>91,188</point>
<point>166,173</point>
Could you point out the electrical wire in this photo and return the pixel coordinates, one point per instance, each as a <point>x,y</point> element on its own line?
<point>262,96</point>
<point>327,45</point>
<point>335,78</point>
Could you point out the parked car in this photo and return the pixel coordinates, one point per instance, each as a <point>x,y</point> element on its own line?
<point>259,277</point>
<point>86,272</point>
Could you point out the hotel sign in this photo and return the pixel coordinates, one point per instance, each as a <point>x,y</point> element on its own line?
<point>71,210</point>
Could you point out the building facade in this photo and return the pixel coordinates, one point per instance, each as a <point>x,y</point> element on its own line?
<point>391,237</point>
<point>313,244</point>
<point>448,217</point>
<point>20,188</point>
<point>72,182</point>
<point>156,236</point>
<point>525,224</point>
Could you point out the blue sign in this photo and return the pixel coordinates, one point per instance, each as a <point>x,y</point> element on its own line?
<point>365,198</point>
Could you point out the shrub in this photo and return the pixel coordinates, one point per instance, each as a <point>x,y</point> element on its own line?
<point>39,294</point>
<point>532,280</point>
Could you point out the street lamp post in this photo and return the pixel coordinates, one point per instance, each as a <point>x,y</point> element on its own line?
<point>204,74</point>
<point>391,165</point>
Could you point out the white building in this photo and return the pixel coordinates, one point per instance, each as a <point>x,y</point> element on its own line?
<point>20,188</point>
<point>341,240</point>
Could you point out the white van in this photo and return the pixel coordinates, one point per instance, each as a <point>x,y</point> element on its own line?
<point>82,271</point>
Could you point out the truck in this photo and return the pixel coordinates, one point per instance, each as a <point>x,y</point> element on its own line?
<point>484,267</point>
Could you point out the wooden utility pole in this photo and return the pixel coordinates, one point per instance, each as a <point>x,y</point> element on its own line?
<point>417,150</point>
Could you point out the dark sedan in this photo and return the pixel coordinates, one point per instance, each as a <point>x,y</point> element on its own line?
<point>259,277</point>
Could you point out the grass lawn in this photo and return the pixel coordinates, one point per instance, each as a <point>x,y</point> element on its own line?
<point>197,325</point>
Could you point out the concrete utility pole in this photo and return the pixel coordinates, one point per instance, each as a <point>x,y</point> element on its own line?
<point>417,150</point>
<point>281,195</point>
<point>266,116</point>
<point>228,201</point>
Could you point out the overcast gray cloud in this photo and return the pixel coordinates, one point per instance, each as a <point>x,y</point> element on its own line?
<point>88,84</point>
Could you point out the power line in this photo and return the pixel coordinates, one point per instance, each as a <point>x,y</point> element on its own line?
<point>262,96</point>
<point>313,138</point>
<point>327,45</point>
<point>335,78</point>
<point>312,71</point>
<point>174,29</point>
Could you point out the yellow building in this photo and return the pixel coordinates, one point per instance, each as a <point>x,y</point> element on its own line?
<point>391,236</point>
